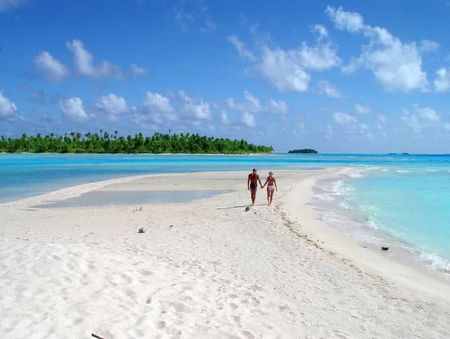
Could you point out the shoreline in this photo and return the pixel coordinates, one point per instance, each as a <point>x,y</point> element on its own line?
<point>351,250</point>
<point>373,239</point>
<point>229,270</point>
<point>313,226</point>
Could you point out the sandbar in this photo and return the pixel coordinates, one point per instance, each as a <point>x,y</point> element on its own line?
<point>207,268</point>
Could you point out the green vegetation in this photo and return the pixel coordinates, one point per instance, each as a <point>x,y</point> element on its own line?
<point>112,143</point>
<point>304,150</point>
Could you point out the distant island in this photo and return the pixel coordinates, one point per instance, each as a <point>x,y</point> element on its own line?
<point>104,142</point>
<point>303,150</point>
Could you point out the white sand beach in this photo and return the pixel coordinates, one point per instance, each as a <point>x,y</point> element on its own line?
<point>203,269</point>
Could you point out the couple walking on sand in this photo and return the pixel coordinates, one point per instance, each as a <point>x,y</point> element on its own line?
<point>252,185</point>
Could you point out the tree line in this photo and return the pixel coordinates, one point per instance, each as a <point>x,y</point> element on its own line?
<point>104,142</point>
<point>303,150</point>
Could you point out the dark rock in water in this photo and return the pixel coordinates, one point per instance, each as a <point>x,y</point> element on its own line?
<point>142,230</point>
<point>384,248</point>
<point>247,209</point>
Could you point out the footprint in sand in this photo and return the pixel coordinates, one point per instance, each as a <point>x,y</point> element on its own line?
<point>341,335</point>
<point>233,306</point>
<point>180,307</point>
<point>254,301</point>
<point>145,273</point>
<point>248,335</point>
<point>160,325</point>
<point>284,308</point>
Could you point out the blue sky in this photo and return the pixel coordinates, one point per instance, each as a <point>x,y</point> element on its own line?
<point>338,76</point>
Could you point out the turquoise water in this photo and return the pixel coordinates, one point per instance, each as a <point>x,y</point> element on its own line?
<point>406,208</point>
<point>412,205</point>
<point>25,175</point>
<point>402,200</point>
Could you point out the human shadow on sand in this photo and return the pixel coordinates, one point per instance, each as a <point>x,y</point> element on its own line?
<point>240,206</point>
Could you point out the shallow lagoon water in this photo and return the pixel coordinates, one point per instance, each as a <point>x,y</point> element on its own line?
<point>406,210</point>
<point>105,198</point>
<point>26,175</point>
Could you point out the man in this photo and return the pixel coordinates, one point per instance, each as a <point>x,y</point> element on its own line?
<point>252,184</point>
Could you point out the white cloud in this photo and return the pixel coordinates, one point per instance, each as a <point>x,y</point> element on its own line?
<point>83,59</point>
<point>153,121</point>
<point>157,109</point>
<point>84,62</point>
<point>321,31</point>
<point>427,46</point>
<point>442,81</point>
<point>9,5</point>
<point>157,102</point>
<point>240,47</point>
<point>277,107</point>
<point>447,126</point>
<point>195,109</point>
<point>224,118</point>
<point>427,114</point>
<point>248,119</point>
<point>397,66</point>
<point>420,118</point>
<point>287,70</point>
<point>51,67</point>
<point>8,109</point>
<point>329,90</point>
<point>105,69</point>
<point>284,72</point>
<point>343,118</point>
<point>112,105</point>
<point>73,108</point>
<point>253,105</point>
<point>318,58</point>
<point>349,21</point>
<point>138,70</point>
<point>361,109</point>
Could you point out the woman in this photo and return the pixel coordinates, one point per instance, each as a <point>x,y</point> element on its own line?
<point>271,187</point>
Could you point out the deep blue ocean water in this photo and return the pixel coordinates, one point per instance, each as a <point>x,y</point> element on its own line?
<point>403,200</point>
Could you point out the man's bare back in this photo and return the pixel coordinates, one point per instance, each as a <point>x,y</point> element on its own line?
<point>252,184</point>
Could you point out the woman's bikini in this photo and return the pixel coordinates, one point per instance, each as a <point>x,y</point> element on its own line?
<point>270,184</point>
